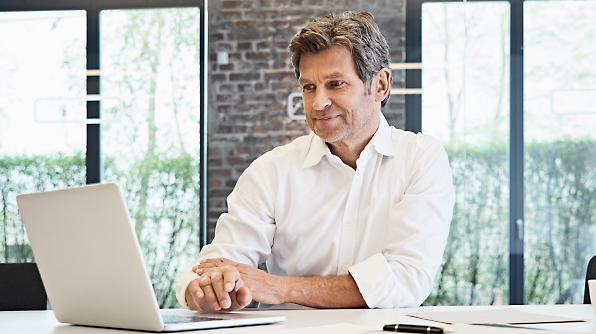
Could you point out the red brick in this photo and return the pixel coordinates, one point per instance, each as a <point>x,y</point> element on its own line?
<point>243,24</point>
<point>229,4</point>
<point>213,183</point>
<point>245,76</point>
<point>219,172</point>
<point>286,76</point>
<point>218,77</point>
<point>229,16</point>
<point>244,46</point>
<point>263,45</point>
<point>279,65</point>
<point>244,149</point>
<point>275,3</point>
<point>315,3</point>
<point>258,128</point>
<point>214,163</point>
<point>282,45</point>
<point>259,55</point>
<point>276,107</point>
<point>226,67</point>
<point>262,14</point>
<point>245,87</point>
<point>279,86</point>
<point>217,37</point>
<point>262,65</point>
<point>261,86</point>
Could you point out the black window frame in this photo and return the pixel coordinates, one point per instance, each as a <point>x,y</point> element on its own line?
<point>93,163</point>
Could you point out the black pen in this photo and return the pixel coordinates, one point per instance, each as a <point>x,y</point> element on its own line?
<point>405,328</point>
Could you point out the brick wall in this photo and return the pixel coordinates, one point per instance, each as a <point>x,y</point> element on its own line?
<point>247,96</point>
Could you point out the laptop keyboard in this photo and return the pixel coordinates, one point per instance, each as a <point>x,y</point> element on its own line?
<point>181,319</point>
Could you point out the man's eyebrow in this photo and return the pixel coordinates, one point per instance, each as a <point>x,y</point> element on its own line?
<point>333,75</point>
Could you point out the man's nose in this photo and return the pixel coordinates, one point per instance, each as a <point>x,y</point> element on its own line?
<point>322,100</point>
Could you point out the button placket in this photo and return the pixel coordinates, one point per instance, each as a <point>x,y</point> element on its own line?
<point>348,231</point>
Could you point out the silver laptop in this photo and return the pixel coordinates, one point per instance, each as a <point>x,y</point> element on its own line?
<point>91,265</point>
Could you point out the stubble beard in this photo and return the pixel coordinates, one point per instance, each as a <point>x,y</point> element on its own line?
<point>331,134</point>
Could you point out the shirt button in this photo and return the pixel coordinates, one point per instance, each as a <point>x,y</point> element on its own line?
<point>345,267</point>
<point>349,223</point>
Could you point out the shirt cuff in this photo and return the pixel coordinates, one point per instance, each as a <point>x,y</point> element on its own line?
<point>375,280</point>
<point>185,279</point>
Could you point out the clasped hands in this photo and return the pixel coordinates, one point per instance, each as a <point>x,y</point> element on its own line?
<point>225,285</point>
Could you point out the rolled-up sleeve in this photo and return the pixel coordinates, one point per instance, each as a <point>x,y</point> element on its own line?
<point>402,274</point>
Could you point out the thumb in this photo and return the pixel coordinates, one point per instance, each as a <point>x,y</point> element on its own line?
<point>244,296</point>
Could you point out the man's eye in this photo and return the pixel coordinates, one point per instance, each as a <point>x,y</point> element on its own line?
<point>308,87</point>
<point>336,83</point>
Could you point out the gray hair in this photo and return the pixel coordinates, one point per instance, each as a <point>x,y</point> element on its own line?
<point>358,32</point>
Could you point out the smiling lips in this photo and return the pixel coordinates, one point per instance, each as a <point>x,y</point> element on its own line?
<point>326,118</point>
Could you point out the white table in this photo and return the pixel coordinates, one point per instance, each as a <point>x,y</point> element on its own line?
<point>297,321</point>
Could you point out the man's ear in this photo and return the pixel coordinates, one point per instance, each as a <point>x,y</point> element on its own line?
<point>381,84</point>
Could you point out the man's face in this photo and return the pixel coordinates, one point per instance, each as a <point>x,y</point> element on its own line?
<point>339,107</point>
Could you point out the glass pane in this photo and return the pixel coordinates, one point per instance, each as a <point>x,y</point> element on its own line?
<point>465,103</point>
<point>150,132</point>
<point>560,148</point>
<point>42,113</point>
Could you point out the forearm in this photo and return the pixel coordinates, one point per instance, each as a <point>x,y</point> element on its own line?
<point>315,291</point>
<point>321,291</point>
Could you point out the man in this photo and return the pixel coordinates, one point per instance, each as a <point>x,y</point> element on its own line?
<point>356,214</point>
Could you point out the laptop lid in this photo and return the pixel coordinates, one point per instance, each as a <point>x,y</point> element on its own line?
<point>90,261</point>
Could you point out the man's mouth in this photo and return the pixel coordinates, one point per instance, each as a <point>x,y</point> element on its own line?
<point>327,118</point>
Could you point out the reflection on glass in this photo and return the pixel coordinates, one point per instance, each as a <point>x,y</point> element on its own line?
<point>150,132</point>
<point>42,113</point>
<point>560,148</point>
<point>465,103</point>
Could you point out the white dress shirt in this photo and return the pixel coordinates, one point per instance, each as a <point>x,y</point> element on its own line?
<point>306,213</point>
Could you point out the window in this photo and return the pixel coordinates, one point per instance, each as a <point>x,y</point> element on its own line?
<point>511,95</point>
<point>135,120</point>
<point>42,119</point>
<point>465,102</point>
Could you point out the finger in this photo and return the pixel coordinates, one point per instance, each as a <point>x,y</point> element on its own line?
<point>211,298</point>
<point>201,271</point>
<point>217,262</point>
<point>240,300</point>
<point>231,278</point>
<point>204,265</point>
<point>243,296</point>
<point>193,295</point>
<point>219,288</point>
<point>239,283</point>
<point>195,289</point>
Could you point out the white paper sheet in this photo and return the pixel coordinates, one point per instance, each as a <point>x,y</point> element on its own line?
<point>342,328</point>
<point>507,315</point>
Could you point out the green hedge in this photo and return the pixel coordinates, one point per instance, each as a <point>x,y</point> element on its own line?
<point>560,233</point>
<point>559,236</point>
<point>161,192</point>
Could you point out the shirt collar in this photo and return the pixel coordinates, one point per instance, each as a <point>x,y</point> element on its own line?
<point>381,142</point>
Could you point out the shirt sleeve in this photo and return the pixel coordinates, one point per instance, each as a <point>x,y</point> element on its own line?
<point>402,275</point>
<point>245,233</point>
